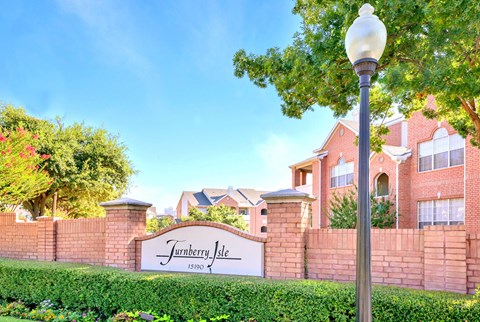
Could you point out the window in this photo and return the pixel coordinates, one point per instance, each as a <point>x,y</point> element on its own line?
<point>264,212</point>
<point>342,174</point>
<point>441,212</point>
<point>263,229</point>
<point>442,152</point>
<point>381,185</point>
<point>243,212</point>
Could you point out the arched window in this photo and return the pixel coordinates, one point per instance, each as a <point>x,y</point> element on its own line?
<point>263,229</point>
<point>442,151</point>
<point>264,212</point>
<point>382,185</point>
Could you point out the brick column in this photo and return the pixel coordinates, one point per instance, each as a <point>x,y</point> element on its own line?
<point>46,245</point>
<point>289,212</point>
<point>472,188</point>
<point>125,220</point>
<point>445,265</point>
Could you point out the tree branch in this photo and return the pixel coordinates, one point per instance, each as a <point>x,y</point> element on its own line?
<point>469,106</point>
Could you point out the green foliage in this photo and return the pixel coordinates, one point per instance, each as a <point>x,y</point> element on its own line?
<point>432,48</point>
<point>221,213</point>
<point>343,210</point>
<point>87,165</point>
<point>14,311</point>
<point>156,224</point>
<point>383,216</point>
<point>181,296</point>
<point>21,176</point>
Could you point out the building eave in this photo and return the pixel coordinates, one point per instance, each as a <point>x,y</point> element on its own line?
<point>329,136</point>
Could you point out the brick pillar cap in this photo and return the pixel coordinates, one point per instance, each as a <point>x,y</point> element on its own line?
<point>125,202</point>
<point>287,195</point>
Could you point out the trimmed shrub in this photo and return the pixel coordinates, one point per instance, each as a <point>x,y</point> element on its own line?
<point>109,291</point>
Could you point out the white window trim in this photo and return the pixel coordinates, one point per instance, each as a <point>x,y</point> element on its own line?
<point>433,154</point>
<point>336,178</point>
<point>432,201</point>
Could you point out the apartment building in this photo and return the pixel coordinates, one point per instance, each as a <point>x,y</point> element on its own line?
<point>426,168</point>
<point>246,202</point>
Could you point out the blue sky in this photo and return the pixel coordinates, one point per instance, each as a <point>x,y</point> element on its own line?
<point>160,75</point>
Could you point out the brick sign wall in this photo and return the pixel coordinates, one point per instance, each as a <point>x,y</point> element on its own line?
<point>435,258</point>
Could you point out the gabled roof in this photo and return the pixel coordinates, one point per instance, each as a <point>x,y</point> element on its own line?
<point>196,199</point>
<point>349,124</point>
<point>211,196</point>
<point>252,195</point>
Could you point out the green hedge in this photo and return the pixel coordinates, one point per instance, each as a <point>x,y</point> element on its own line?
<point>107,290</point>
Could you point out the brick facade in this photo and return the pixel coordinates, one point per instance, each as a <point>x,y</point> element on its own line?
<point>414,186</point>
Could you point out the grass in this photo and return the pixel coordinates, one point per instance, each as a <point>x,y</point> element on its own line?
<point>9,319</point>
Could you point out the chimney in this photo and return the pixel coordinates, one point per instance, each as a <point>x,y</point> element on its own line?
<point>230,190</point>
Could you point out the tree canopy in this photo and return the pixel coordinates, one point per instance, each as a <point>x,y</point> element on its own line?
<point>221,213</point>
<point>433,48</point>
<point>86,165</point>
<point>21,177</point>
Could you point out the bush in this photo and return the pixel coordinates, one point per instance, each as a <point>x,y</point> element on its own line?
<point>344,211</point>
<point>221,213</point>
<point>181,296</point>
<point>156,224</point>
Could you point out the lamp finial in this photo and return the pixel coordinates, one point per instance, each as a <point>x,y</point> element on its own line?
<point>366,9</point>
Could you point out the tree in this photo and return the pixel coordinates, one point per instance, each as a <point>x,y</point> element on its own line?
<point>221,213</point>
<point>343,210</point>
<point>156,224</point>
<point>433,48</point>
<point>87,165</point>
<point>21,177</point>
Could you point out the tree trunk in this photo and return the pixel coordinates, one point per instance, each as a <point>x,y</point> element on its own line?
<point>36,206</point>
<point>470,107</point>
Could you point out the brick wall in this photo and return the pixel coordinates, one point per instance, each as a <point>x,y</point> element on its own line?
<point>106,241</point>
<point>395,135</point>
<point>441,258</point>
<point>446,258</point>
<point>473,262</point>
<point>81,241</point>
<point>397,256</point>
<point>17,240</point>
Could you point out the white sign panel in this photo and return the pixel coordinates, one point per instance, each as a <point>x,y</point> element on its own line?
<point>203,249</point>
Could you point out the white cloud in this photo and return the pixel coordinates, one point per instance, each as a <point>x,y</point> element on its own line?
<point>111,29</point>
<point>277,153</point>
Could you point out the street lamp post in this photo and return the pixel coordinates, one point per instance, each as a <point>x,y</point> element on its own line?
<point>364,42</point>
